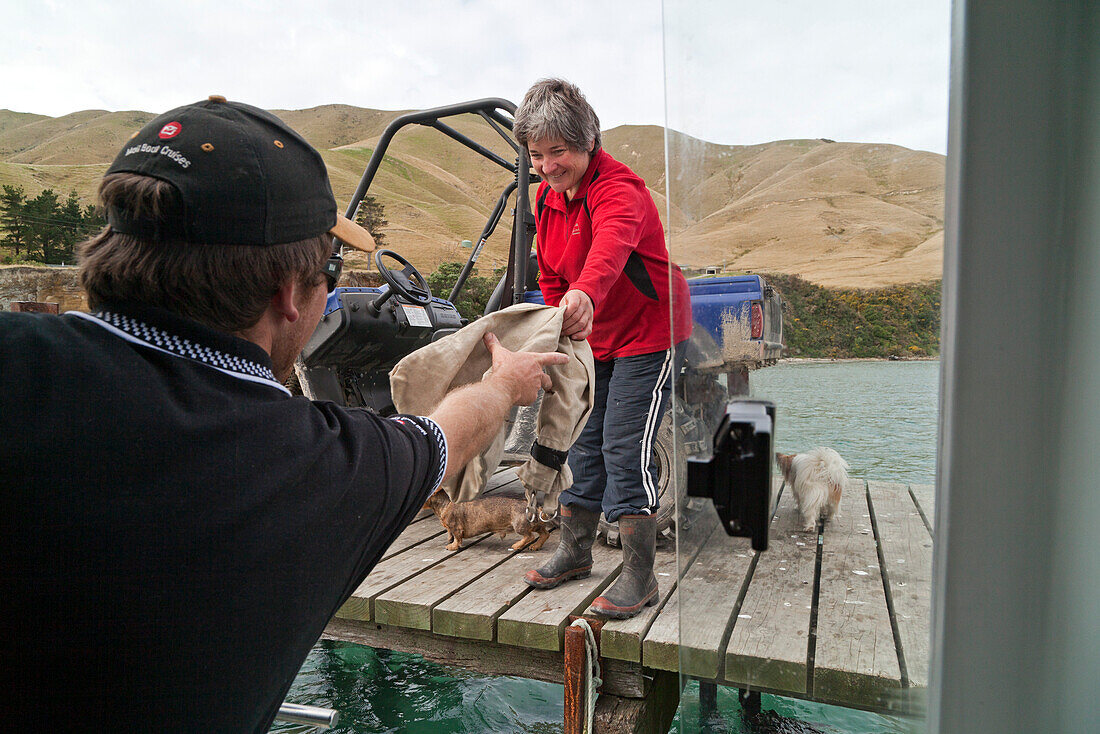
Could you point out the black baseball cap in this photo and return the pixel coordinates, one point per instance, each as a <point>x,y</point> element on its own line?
<point>243,175</point>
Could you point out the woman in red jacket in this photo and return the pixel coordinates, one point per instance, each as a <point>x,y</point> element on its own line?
<point>602,257</point>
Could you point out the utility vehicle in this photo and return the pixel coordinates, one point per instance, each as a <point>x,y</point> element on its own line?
<point>366,331</point>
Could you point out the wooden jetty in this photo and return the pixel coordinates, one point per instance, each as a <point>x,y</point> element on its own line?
<point>841,617</point>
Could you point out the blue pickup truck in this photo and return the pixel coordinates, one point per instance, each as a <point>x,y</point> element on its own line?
<point>738,322</point>
<point>743,317</point>
<point>366,331</point>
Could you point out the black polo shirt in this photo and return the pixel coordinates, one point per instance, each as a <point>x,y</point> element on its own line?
<point>176,528</point>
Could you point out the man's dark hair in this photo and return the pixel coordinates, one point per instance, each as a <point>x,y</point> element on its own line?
<point>225,287</point>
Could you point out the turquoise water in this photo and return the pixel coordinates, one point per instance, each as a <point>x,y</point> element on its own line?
<point>384,691</point>
<point>881,416</point>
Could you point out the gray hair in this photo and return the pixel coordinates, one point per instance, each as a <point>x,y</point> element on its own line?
<point>554,108</point>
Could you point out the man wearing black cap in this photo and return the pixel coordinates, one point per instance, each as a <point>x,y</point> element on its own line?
<point>177,528</point>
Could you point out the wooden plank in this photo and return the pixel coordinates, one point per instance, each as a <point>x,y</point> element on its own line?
<point>619,678</point>
<point>654,713</point>
<point>503,478</point>
<point>925,497</point>
<point>709,591</point>
<point>388,574</point>
<point>660,646</point>
<point>424,528</point>
<point>426,525</point>
<point>777,490</point>
<point>481,657</point>
<point>473,610</point>
<point>906,557</point>
<point>538,619</point>
<point>855,662</point>
<point>410,604</point>
<point>769,645</point>
<point>622,639</point>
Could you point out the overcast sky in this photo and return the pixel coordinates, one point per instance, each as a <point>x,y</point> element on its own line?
<point>737,72</point>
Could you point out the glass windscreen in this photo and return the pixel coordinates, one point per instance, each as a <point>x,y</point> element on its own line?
<point>804,184</point>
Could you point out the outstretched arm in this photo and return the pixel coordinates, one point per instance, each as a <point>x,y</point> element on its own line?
<point>471,415</point>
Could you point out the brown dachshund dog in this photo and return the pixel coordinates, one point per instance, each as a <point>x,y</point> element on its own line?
<point>500,515</point>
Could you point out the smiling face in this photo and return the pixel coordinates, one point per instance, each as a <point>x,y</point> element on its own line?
<point>559,165</point>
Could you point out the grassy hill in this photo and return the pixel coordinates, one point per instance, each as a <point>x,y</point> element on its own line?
<point>855,215</point>
<point>79,138</point>
<point>10,119</point>
<point>838,214</point>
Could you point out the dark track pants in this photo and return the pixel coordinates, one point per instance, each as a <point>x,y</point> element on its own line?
<point>612,461</point>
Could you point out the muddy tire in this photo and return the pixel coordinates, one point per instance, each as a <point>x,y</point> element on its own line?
<point>666,512</point>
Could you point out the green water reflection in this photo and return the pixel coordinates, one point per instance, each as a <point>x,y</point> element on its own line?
<point>381,691</point>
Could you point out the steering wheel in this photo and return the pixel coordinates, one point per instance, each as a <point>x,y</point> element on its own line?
<point>401,281</point>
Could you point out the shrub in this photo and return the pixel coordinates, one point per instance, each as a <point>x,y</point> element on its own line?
<point>897,321</point>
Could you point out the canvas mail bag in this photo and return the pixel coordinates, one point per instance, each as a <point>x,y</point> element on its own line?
<point>420,380</point>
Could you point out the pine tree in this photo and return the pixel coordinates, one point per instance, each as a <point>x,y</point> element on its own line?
<point>92,220</point>
<point>70,229</point>
<point>43,213</point>
<point>372,217</point>
<point>43,228</point>
<point>12,203</point>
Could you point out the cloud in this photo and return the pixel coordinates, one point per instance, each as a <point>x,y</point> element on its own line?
<point>855,70</point>
<point>738,72</point>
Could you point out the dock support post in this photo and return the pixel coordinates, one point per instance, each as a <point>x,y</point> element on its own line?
<point>708,700</point>
<point>737,382</point>
<point>576,706</point>
<point>650,715</point>
<point>750,703</point>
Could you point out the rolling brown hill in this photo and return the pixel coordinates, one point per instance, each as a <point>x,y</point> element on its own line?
<point>10,119</point>
<point>838,214</point>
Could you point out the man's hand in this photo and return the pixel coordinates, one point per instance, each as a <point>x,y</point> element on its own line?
<point>520,373</point>
<point>471,415</point>
<point>577,323</point>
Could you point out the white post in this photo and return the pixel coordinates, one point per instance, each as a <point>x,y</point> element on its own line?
<point>1016,601</point>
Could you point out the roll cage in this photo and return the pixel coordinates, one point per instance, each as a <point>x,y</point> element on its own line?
<point>498,115</point>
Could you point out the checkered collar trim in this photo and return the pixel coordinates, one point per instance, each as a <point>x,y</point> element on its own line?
<point>136,331</point>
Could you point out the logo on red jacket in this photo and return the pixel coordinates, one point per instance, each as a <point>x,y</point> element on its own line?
<point>576,230</point>
<point>170,130</point>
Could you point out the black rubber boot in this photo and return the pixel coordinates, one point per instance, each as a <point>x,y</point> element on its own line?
<point>636,586</point>
<point>573,557</point>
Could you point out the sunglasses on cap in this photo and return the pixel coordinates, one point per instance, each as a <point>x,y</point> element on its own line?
<point>332,269</point>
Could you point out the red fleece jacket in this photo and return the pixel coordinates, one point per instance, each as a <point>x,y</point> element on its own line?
<point>608,242</point>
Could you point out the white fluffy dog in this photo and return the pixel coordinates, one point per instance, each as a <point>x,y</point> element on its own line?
<point>817,478</point>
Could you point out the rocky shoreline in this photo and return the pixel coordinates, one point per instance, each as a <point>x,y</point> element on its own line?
<point>834,360</point>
